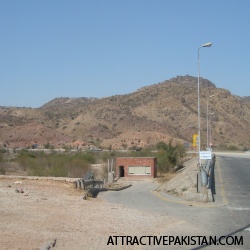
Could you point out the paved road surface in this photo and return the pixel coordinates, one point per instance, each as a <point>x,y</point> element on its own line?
<point>229,215</point>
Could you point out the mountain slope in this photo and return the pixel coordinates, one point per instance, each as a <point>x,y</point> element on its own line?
<point>143,118</point>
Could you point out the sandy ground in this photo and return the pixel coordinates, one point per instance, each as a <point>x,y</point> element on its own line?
<point>56,210</point>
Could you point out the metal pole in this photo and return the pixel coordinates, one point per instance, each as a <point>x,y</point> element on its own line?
<point>202,171</point>
<point>210,130</point>
<point>210,134</point>
<point>207,122</point>
<point>199,134</point>
<point>108,166</point>
<point>199,125</point>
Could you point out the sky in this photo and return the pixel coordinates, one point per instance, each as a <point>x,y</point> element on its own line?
<point>101,48</point>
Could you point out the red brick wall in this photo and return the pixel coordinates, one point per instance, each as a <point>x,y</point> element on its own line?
<point>136,161</point>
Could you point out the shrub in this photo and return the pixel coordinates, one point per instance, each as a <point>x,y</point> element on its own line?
<point>169,156</point>
<point>163,164</point>
<point>232,147</point>
<point>54,164</point>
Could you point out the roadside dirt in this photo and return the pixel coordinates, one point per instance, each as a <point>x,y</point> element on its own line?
<point>48,210</point>
<point>183,181</point>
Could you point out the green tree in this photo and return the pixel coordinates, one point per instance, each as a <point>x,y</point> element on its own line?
<point>163,164</point>
<point>169,155</point>
<point>161,145</point>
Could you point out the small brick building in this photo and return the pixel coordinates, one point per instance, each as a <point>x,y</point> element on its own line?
<point>142,167</point>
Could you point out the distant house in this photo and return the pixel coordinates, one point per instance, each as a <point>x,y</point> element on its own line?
<point>136,167</point>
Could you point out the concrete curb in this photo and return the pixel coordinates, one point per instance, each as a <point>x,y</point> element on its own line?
<point>190,196</point>
<point>118,189</point>
<point>93,192</point>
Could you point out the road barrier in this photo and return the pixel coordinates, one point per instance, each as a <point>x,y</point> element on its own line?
<point>205,178</point>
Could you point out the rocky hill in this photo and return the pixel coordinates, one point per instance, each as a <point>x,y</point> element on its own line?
<point>141,119</point>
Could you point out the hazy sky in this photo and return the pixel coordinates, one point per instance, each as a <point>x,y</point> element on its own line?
<point>100,48</point>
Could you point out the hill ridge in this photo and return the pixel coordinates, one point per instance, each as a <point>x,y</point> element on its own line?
<point>151,114</point>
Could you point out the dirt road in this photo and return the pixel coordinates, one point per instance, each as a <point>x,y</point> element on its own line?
<point>56,210</point>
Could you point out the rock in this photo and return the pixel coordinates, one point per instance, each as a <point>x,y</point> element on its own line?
<point>19,190</point>
<point>18,182</point>
<point>48,245</point>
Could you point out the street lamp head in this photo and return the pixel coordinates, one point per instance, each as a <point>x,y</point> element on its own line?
<point>206,45</point>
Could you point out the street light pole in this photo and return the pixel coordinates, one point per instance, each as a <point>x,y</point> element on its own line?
<point>207,120</point>
<point>210,130</point>
<point>199,126</point>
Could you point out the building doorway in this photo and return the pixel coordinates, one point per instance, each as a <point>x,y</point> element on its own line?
<point>121,171</point>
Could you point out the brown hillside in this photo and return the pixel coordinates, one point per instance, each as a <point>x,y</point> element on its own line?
<point>143,118</point>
